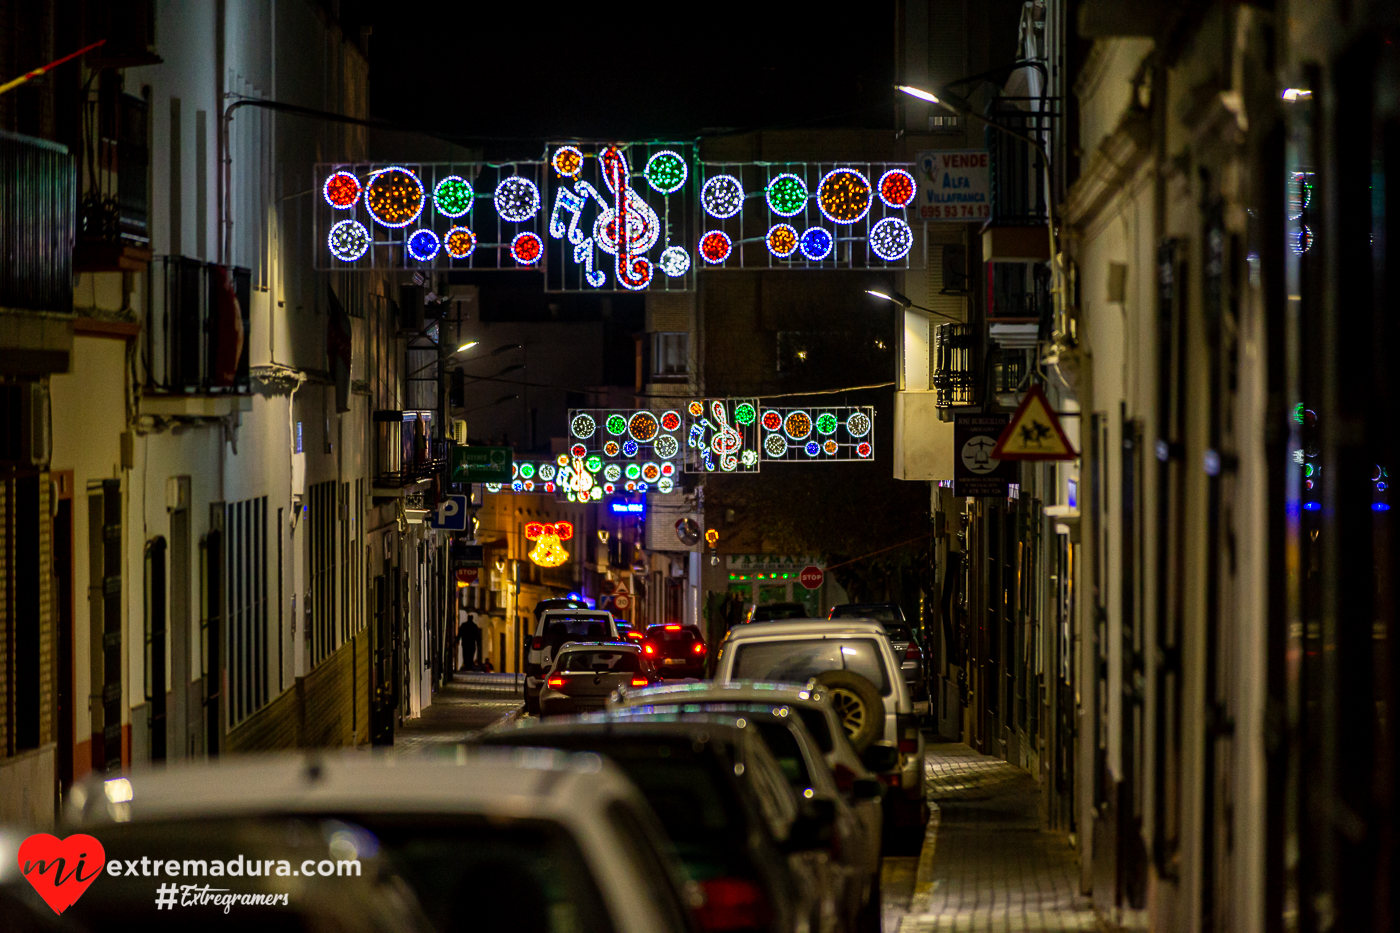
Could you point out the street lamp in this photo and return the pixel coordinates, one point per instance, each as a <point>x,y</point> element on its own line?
<point>930,97</point>
<point>906,303</point>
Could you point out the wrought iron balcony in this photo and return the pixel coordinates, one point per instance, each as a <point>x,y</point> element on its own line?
<point>37,221</point>
<point>196,339</point>
<point>1017,169</point>
<point>405,450</point>
<point>957,351</point>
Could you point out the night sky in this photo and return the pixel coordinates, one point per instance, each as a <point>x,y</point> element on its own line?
<point>516,74</point>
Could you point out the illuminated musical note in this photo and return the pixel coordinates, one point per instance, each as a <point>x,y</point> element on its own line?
<point>566,200</point>
<point>583,254</point>
<point>727,439</point>
<point>631,214</point>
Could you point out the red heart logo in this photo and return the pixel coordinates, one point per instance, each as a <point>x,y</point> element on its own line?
<point>61,869</point>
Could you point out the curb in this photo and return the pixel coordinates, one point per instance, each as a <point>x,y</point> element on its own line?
<point>922,901</point>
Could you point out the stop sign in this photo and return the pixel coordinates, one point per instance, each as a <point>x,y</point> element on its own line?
<point>468,575</point>
<point>811,577</point>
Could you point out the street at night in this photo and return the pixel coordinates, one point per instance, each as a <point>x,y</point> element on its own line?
<point>905,467</point>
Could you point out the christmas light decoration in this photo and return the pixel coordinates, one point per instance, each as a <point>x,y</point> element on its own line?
<point>843,195</point>
<point>826,423</point>
<point>514,470</point>
<point>642,426</point>
<point>744,414</point>
<point>897,188</point>
<point>666,446</point>
<point>816,243</point>
<point>651,472</point>
<point>578,451</point>
<point>722,197</point>
<point>668,469</point>
<point>891,239</point>
<point>593,464</point>
<point>786,195</point>
<point>583,426</point>
<point>423,245</point>
<point>616,424</point>
<point>695,408</point>
<point>493,487</point>
<point>797,425</point>
<point>858,424</point>
<point>629,448</point>
<point>670,421</point>
<point>567,161</point>
<point>609,488</point>
<point>633,471</point>
<point>813,448</point>
<point>517,486</point>
<point>348,240</point>
<point>526,248</point>
<point>775,445</point>
<point>666,171</point>
<point>341,190</point>
<point>394,196</point>
<point>830,447</point>
<point>675,261</point>
<point>863,449</point>
<point>453,196</point>
<point>611,448</point>
<point>665,485</point>
<point>529,486</point>
<point>460,243</point>
<point>772,420</point>
<point>517,199</point>
<point>715,247</point>
<point>563,459</point>
<point>548,550</point>
<point>782,240</point>
<point>612,472</point>
<point>717,437</point>
<point>546,471</point>
<point>527,470</point>
<point>748,458</point>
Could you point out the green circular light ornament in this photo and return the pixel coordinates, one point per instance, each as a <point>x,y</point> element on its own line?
<point>616,424</point>
<point>744,414</point>
<point>453,196</point>
<point>787,195</point>
<point>666,171</point>
<point>826,423</point>
<point>527,470</point>
<point>594,463</point>
<point>633,471</point>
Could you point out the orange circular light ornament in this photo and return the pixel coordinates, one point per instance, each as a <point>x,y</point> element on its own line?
<point>643,426</point>
<point>568,161</point>
<point>394,196</point>
<point>844,195</point>
<point>782,240</point>
<point>460,243</point>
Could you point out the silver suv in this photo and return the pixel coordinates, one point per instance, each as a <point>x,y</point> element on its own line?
<point>555,629</point>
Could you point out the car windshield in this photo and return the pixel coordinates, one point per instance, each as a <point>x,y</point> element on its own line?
<point>569,626</point>
<point>666,633</point>
<point>783,746</point>
<point>899,632</point>
<point>587,662</point>
<point>778,736</point>
<point>797,660</point>
<point>882,614</point>
<point>779,611</point>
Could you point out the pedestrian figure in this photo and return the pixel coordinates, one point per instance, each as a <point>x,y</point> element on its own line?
<point>469,640</point>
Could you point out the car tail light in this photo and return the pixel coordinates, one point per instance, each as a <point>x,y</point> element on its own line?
<point>890,779</point>
<point>908,728</point>
<point>536,643</point>
<point>845,778</point>
<point>555,682</point>
<point>649,648</point>
<point>672,628</point>
<point>912,653</point>
<point>732,904</point>
<point>640,681</point>
<point>699,647</point>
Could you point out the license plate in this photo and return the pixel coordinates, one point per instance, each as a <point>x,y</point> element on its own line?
<point>674,661</point>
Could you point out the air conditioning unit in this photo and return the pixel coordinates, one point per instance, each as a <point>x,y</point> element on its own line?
<point>25,436</point>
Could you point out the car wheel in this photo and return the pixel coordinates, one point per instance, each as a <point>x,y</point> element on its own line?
<point>858,705</point>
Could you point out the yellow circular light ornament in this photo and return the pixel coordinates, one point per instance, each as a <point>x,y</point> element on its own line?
<point>844,195</point>
<point>394,196</point>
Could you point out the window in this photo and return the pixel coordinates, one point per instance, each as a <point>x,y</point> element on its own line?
<point>670,354</point>
<point>587,662</point>
<point>799,660</point>
<point>321,632</point>
<point>245,534</point>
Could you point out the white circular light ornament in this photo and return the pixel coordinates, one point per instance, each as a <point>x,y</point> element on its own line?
<point>348,240</point>
<point>666,446</point>
<point>858,424</point>
<point>547,471</point>
<point>517,199</point>
<point>423,245</point>
<point>774,445</point>
<point>612,472</point>
<point>722,197</point>
<point>665,484</point>
<point>675,261</point>
<point>583,426</point>
<point>891,239</point>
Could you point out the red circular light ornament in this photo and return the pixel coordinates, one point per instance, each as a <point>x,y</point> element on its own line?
<point>897,188</point>
<point>772,420</point>
<point>863,449</point>
<point>670,421</point>
<point>578,450</point>
<point>715,247</point>
<point>526,249</point>
<point>342,190</point>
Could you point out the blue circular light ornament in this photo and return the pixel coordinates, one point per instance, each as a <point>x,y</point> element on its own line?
<point>423,245</point>
<point>517,199</point>
<point>775,445</point>
<point>675,261</point>
<point>816,243</point>
<point>666,171</point>
<point>641,487</point>
<point>629,449</point>
<point>858,424</point>
<point>812,448</point>
<point>722,196</point>
<point>453,196</point>
<point>517,486</point>
<point>348,240</point>
<point>891,239</point>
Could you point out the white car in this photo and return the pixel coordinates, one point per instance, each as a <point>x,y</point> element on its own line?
<point>853,660</point>
<point>555,629</point>
<point>529,839</point>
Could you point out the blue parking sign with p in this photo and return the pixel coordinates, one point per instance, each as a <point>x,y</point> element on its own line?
<point>451,514</point>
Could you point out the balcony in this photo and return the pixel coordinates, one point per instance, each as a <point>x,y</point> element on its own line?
<point>196,338</point>
<point>407,458</point>
<point>1017,229</point>
<point>956,369</point>
<point>113,228</point>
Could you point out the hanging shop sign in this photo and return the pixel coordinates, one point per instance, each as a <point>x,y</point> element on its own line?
<point>481,464</point>
<point>954,186</point>
<point>617,216</point>
<point>1034,432</point>
<point>975,471</point>
<point>549,537</point>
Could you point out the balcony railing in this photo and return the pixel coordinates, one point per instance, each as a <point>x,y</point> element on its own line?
<point>405,450</point>
<point>197,333</point>
<point>957,350</point>
<point>38,187</point>
<point>1017,170</point>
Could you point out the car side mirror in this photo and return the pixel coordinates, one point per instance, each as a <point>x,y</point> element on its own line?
<point>866,789</point>
<point>880,757</point>
<point>814,825</point>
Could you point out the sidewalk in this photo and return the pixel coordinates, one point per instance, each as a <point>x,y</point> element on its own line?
<point>460,709</point>
<point>986,864</point>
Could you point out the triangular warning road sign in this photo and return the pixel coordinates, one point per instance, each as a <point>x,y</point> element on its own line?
<point>1033,433</point>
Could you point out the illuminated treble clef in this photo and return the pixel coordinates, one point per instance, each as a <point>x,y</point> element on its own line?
<point>633,225</point>
<point>727,439</point>
<point>581,482</point>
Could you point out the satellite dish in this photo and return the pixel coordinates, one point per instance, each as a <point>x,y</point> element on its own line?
<point>688,532</point>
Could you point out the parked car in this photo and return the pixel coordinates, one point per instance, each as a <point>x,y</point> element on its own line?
<point>771,611</point>
<point>527,841</point>
<point>676,650</point>
<point>585,673</point>
<point>376,899</point>
<point>553,629</point>
<point>852,873</point>
<point>854,660</point>
<point>906,645</point>
<point>558,602</point>
<point>741,833</point>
